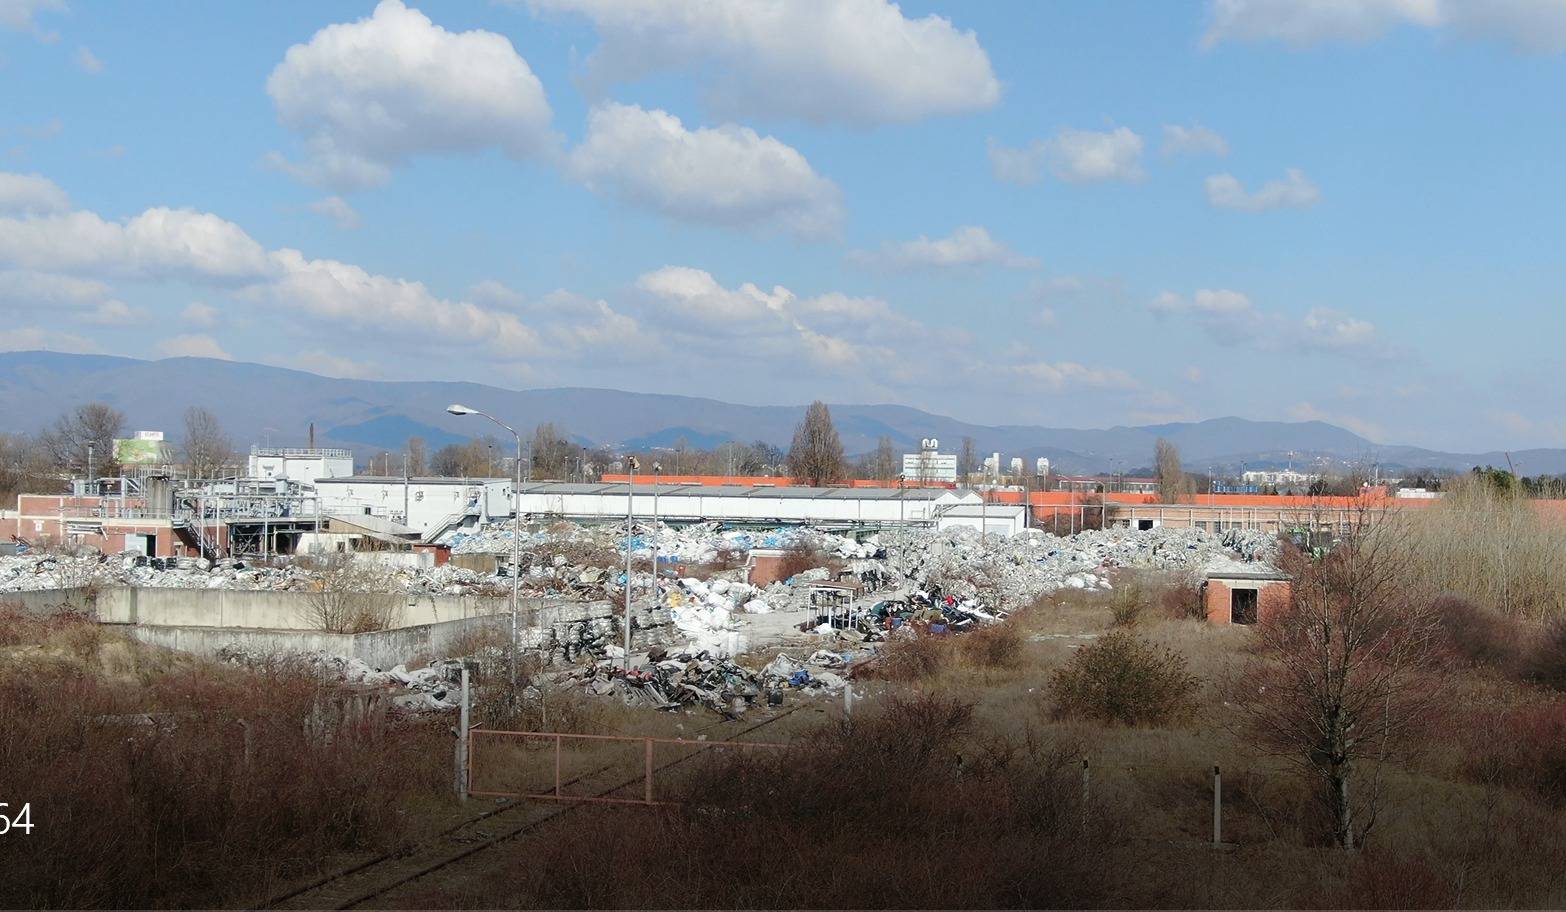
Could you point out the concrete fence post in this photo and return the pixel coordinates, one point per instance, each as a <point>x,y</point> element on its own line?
<point>464,755</point>
<point>1217,806</point>
<point>848,700</point>
<point>1085,793</point>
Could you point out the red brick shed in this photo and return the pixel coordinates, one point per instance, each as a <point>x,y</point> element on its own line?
<point>1243,596</point>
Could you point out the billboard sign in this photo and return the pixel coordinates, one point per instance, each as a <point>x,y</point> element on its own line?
<point>138,452</point>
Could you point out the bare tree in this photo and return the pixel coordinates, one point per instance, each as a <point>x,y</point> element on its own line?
<point>351,595</point>
<point>94,424</point>
<point>418,456</point>
<point>463,460</point>
<point>968,461</point>
<point>24,468</point>
<point>205,448</point>
<point>817,451</point>
<point>1342,677</point>
<point>553,455</point>
<point>1171,477</point>
<point>886,460</point>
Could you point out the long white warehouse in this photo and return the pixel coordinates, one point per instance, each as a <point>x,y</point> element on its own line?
<point>734,503</point>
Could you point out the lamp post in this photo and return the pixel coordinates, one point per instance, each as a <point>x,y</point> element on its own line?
<point>516,528</point>
<point>630,500</point>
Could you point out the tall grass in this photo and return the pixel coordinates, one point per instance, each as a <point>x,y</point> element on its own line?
<point>186,783</point>
<point>901,806</point>
<point>1492,548</point>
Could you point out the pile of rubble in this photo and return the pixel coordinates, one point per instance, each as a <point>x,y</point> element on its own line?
<point>698,544</point>
<point>435,688</point>
<point>671,682</point>
<point>1009,573</point>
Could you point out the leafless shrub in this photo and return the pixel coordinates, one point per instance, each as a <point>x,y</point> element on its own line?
<point>902,805</point>
<point>1546,660</point>
<point>1478,636</point>
<point>1122,678</point>
<point>911,657</point>
<point>993,646</point>
<point>352,596</point>
<point>197,786</point>
<point>1127,602</point>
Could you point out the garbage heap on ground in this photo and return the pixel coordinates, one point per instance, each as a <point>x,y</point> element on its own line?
<point>1010,573</point>
<point>674,681</point>
<point>434,688</point>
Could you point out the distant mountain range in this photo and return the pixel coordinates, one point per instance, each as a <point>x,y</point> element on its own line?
<point>257,403</point>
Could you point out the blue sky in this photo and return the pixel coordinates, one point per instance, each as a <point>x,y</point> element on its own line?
<point>1076,214</point>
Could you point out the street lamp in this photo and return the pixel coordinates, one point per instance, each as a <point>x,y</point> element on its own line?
<point>516,528</point>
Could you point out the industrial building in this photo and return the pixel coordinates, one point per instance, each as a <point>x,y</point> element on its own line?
<point>846,507</point>
<point>299,464</point>
<point>429,506</point>
<point>930,464</point>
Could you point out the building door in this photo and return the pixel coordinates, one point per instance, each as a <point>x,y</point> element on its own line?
<point>1243,606</point>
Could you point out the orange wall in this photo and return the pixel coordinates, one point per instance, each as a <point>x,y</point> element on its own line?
<point>780,481</point>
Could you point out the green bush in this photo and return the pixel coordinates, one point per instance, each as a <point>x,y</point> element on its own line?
<point>1123,678</point>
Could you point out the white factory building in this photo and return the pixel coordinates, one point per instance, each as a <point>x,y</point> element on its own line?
<point>930,464</point>
<point>428,506</point>
<point>299,464</point>
<point>737,503</point>
<point>434,506</point>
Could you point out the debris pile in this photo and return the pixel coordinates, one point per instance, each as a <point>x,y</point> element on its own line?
<point>435,688</point>
<point>671,682</point>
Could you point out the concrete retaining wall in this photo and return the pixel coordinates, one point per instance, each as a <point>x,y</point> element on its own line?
<point>203,621</point>
<point>381,649</point>
<point>265,609</point>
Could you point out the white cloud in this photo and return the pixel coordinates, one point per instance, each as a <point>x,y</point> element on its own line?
<point>317,361</point>
<point>200,314</point>
<point>1058,375</point>
<point>193,346</point>
<point>1332,330</point>
<point>338,210</point>
<point>1532,25</point>
<point>1074,156</point>
<point>37,289</point>
<point>42,293</point>
<point>114,313</point>
<point>1210,301</point>
<point>49,129</point>
<point>776,325</point>
<point>87,61</point>
<point>30,194</point>
<point>18,14</point>
<point>969,245</point>
<point>845,61</point>
<point>345,293</point>
<point>696,295</point>
<point>726,175</point>
<point>158,243</point>
<point>1230,318</point>
<point>1193,140</point>
<point>1293,191</point>
<point>30,338</point>
<point>568,323</point>
<point>1306,22</point>
<point>368,95</point>
<point>1305,411</point>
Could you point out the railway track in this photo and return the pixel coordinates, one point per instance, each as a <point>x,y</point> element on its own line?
<point>358,884</point>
